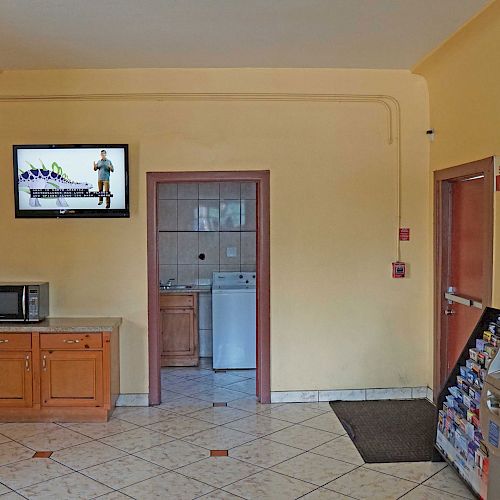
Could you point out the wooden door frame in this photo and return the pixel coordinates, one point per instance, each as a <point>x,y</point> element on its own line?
<point>442,201</point>
<point>262,179</point>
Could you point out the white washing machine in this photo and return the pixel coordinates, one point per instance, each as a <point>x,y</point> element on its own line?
<point>234,320</point>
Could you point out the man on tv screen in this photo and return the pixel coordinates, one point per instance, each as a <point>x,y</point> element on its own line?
<point>104,168</point>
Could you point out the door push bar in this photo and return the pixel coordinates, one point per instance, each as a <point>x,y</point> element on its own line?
<point>451,297</point>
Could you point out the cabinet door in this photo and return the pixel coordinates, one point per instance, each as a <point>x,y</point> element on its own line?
<point>16,379</point>
<point>179,336</point>
<point>71,378</point>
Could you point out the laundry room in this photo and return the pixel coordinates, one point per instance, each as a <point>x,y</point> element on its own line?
<point>206,240</point>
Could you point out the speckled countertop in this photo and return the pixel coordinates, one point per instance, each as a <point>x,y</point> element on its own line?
<point>66,325</point>
<point>193,289</point>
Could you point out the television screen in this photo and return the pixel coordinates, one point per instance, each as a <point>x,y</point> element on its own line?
<point>71,180</point>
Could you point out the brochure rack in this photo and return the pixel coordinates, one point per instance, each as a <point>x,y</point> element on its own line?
<point>459,439</point>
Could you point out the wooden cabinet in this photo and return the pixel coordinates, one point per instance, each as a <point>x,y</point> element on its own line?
<point>71,378</point>
<point>16,373</point>
<point>179,330</point>
<point>59,376</point>
<point>16,379</point>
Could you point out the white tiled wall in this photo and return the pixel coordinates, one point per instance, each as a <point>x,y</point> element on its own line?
<point>206,218</point>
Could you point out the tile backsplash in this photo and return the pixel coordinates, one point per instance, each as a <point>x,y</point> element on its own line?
<point>204,228</point>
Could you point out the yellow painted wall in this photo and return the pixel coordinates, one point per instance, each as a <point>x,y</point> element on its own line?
<point>338,319</point>
<point>463,77</point>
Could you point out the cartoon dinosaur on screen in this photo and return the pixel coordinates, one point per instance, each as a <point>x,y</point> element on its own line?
<point>43,178</point>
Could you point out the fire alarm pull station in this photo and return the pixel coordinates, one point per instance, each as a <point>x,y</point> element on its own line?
<point>398,269</point>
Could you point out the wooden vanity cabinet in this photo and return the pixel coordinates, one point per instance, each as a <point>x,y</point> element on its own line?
<point>179,329</point>
<point>58,376</point>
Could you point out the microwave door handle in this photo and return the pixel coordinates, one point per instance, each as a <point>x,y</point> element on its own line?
<point>24,303</point>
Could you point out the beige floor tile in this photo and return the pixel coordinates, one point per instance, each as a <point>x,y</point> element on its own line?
<point>292,412</point>
<point>21,474</point>
<point>244,373</point>
<point>219,495</point>
<point>180,426</point>
<point>12,496</point>
<point>302,437</point>
<point>219,471</point>
<point>268,485</point>
<point>142,416</point>
<point>413,471</point>
<point>314,469</point>
<point>71,486</point>
<point>4,439</point>
<point>167,396</point>
<point>324,494</point>
<point>193,382</point>
<point>225,379</point>
<point>174,454</point>
<point>258,425</point>
<point>219,415</point>
<point>264,453</point>
<point>123,472</point>
<point>54,440</point>
<point>13,452</point>
<point>136,440</point>
<point>326,422</point>
<point>115,495</point>
<point>251,404</point>
<point>191,387</point>
<point>17,431</point>
<point>219,438</point>
<point>319,406</point>
<point>169,485</point>
<point>218,395</point>
<point>4,489</point>
<point>102,430</point>
<point>448,480</point>
<point>86,455</point>
<point>426,493</point>
<point>247,386</point>
<point>185,405</point>
<point>341,448</point>
<point>364,483</point>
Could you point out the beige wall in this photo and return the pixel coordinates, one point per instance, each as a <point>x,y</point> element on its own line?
<point>463,77</point>
<point>338,319</point>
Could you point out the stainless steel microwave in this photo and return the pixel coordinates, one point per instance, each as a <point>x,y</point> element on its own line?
<point>24,301</point>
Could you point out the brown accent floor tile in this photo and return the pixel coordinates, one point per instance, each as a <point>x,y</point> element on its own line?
<point>215,405</point>
<point>42,454</point>
<point>219,453</point>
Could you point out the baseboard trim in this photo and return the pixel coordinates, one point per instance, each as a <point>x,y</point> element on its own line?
<point>133,400</point>
<point>420,392</point>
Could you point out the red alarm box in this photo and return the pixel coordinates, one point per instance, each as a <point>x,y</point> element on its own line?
<point>398,269</point>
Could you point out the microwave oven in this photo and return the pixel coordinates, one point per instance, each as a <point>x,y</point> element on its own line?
<point>28,302</point>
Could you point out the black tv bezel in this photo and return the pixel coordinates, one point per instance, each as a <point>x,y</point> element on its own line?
<point>73,213</point>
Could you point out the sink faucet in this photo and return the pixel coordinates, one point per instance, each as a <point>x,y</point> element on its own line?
<point>170,282</point>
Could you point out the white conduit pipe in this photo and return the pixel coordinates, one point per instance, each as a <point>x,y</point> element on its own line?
<point>390,103</point>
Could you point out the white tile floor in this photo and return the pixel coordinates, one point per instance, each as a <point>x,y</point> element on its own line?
<point>279,451</point>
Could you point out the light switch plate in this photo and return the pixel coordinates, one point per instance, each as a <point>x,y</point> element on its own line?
<point>231,252</point>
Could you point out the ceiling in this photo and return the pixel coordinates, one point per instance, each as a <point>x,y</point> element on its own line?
<point>389,34</point>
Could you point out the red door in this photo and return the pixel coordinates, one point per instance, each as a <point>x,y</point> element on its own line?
<point>465,279</point>
<point>466,257</point>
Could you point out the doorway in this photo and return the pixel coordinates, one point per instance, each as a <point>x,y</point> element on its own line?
<point>463,259</point>
<point>261,180</point>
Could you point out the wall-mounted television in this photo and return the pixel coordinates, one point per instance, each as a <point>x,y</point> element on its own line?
<point>71,180</point>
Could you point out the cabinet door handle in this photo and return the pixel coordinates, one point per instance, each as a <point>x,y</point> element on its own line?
<point>3,341</point>
<point>69,341</point>
<point>27,362</point>
<point>44,362</point>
